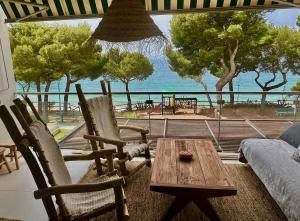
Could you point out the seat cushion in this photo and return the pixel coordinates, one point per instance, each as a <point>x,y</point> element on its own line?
<point>296,155</point>
<point>291,135</point>
<point>271,160</point>
<point>81,204</point>
<point>135,149</point>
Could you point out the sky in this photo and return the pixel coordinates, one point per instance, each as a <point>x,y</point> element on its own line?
<point>279,17</point>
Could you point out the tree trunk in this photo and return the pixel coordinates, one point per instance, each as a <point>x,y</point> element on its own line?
<point>129,105</point>
<point>40,101</point>
<point>66,96</point>
<point>231,94</point>
<point>263,103</point>
<point>229,70</point>
<point>208,96</point>
<point>46,106</point>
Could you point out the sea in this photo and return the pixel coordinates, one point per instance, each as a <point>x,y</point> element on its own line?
<point>163,79</point>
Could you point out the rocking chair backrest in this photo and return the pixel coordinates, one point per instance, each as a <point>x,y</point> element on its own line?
<point>46,149</point>
<point>46,146</point>
<point>104,120</point>
<point>23,143</point>
<point>99,114</point>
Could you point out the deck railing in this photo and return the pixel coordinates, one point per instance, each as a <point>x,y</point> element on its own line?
<point>226,123</point>
<point>236,105</point>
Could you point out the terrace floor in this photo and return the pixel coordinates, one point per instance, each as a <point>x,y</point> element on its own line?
<point>16,189</point>
<point>227,139</point>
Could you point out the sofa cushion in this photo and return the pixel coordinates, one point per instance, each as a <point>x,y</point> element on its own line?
<point>292,135</point>
<point>296,155</point>
<point>271,160</point>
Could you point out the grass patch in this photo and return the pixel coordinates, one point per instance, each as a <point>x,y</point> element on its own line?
<point>131,115</point>
<point>59,135</point>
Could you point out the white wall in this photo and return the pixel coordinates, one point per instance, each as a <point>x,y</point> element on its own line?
<point>7,80</point>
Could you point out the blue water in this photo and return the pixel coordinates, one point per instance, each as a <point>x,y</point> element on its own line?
<point>164,79</point>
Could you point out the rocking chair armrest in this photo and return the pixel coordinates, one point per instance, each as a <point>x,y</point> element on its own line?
<point>77,188</point>
<point>105,140</point>
<point>96,154</point>
<point>134,128</point>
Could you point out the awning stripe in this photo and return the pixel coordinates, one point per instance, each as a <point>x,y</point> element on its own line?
<point>5,9</point>
<point>99,6</point>
<point>49,11</point>
<point>154,5</point>
<point>179,4</point>
<point>75,7</point>
<point>93,7</point>
<point>167,4</point>
<point>226,3</point>
<point>9,9</point>
<point>58,7</point>
<point>15,10</point>
<point>30,8</point>
<point>44,13</point>
<point>53,7</point>
<point>206,3</point>
<point>70,7</point>
<point>261,2</point>
<point>193,4</point>
<point>104,5</point>
<point>25,9</point>
<point>85,8</point>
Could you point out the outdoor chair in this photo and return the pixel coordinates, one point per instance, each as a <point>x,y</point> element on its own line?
<point>47,165</point>
<point>103,131</point>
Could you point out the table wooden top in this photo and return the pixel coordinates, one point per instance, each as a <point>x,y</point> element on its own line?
<point>205,174</point>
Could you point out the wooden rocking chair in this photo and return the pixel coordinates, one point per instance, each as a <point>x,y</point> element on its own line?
<point>102,127</point>
<point>75,201</point>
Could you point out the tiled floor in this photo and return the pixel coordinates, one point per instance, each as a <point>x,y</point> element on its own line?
<point>16,191</point>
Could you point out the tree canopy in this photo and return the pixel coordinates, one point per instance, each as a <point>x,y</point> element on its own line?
<point>214,42</point>
<point>126,67</point>
<point>53,52</point>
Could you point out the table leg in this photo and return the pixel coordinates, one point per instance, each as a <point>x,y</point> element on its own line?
<point>2,157</point>
<point>205,206</point>
<point>16,158</point>
<point>178,204</point>
<point>11,154</point>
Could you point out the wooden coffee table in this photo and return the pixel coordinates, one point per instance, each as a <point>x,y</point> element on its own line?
<point>203,177</point>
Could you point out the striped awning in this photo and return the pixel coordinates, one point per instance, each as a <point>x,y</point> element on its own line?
<point>41,10</point>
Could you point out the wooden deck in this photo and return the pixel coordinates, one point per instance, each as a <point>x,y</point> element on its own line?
<point>232,132</point>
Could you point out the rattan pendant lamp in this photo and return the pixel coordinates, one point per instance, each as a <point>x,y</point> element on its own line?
<point>127,23</point>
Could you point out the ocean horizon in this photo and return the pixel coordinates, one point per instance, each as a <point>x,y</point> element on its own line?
<point>163,79</point>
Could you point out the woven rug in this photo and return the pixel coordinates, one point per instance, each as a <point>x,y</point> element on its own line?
<point>253,202</point>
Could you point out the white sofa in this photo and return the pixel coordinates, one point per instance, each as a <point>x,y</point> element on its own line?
<point>271,160</point>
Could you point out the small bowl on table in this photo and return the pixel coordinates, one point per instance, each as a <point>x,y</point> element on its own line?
<point>185,155</point>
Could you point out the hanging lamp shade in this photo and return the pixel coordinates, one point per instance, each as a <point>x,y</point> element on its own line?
<point>128,21</point>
